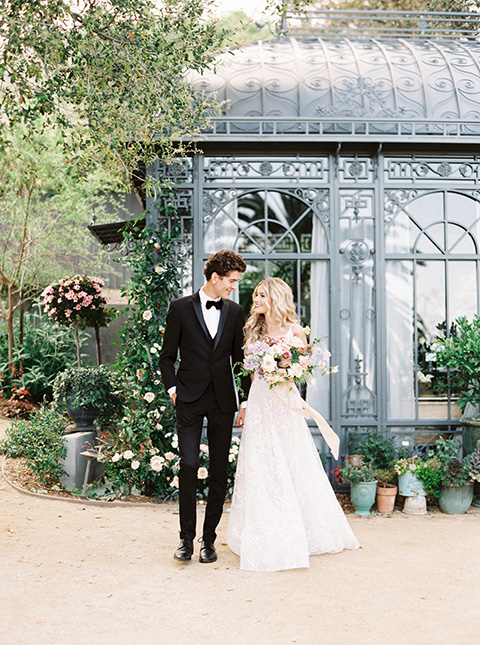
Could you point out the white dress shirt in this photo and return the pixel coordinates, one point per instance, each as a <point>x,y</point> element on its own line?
<point>210,316</point>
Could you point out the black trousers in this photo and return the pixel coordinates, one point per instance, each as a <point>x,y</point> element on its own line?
<point>219,434</point>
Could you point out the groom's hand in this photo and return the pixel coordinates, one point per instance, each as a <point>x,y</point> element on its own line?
<point>240,420</point>
<point>174,398</point>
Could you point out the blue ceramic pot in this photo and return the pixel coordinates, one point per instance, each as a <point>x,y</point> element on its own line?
<point>409,485</point>
<point>363,496</point>
<point>456,500</point>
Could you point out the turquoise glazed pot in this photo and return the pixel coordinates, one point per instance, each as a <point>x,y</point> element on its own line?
<point>363,496</point>
<point>409,485</point>
<point>456,500</point>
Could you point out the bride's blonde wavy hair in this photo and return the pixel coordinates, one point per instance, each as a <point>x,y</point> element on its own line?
<point>280,305</point>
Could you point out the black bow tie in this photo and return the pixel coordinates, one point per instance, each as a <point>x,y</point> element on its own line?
<point>218,304</point>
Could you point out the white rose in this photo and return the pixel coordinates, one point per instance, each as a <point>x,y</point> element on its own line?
<point>159,270</point>
<point>204,448</point>
<point>135,464</point>
<point>295,371</point>
<point>116,457</point>
<point>156,463</point>
<point>295,341</point>
<point>149,396</point>
<point>128,454</point>
<point>175,442</point>
<point>268,363</point>
<point>169,456</point>
<point>153,350</point>
<point>202,473</point>
<point>175,482</point>
<point>147,315</point>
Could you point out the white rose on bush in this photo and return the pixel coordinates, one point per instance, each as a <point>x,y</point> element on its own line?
<point>147,315</point>
<point>149,396</point>
<point>202,473</point>
<point>128,454</point>
<point>135,464</point>
<point>156,463</point>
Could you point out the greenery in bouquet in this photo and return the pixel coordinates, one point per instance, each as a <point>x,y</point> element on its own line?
<point>349,474</point>
<point>377,447</point>
<point>97,387</point>
<point>472,464</point>
<point>285,360</point>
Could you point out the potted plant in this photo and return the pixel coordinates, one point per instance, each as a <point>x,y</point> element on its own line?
<point>88,393</point>
<point>460,355</point>
<point>406,470</point>
<point>456,492</point>
<point>363,485</point>
<point>386,490</point>
<point>376,447</point>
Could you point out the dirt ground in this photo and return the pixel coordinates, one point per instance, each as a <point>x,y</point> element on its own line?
<point>79,574</point>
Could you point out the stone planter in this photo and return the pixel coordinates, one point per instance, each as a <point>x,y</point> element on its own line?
<point>386,496</point>
<point>363,496</point>
<point>409,485</point>
<point>456,500</point>
<point>83,417</point>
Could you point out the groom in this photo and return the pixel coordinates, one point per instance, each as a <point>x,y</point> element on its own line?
<point>207,330</point>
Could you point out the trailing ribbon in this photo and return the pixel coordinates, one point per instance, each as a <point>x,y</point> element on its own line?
<point>307,411</point>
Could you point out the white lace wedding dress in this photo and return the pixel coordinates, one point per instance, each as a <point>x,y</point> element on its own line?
<point>283,507</point>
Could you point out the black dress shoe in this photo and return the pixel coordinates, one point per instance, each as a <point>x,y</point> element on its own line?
<point>184,551</point>
<point>207,552</point>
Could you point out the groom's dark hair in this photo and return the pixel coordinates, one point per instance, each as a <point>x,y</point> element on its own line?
<point>223,262</point>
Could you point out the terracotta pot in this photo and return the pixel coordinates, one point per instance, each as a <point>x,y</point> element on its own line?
<point>355,460</point>
<point>386,498</point>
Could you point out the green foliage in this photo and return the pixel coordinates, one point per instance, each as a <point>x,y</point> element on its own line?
<point>45,351</point>
<point>385,476</point>
<point>377,447</point>
<point>40,441</point>
<point>460,354</point>
<point>147,428</point>
<point>429,472</point>
<point>351,475</point>
<point>109,73</point>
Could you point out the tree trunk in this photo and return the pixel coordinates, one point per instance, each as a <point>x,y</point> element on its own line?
<point>77,342</point>
<point>11,339</point>
<point>97,343</point>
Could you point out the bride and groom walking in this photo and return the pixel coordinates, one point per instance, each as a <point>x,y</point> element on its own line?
<point>283,507</point>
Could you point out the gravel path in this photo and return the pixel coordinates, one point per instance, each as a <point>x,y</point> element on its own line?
<point>77,574</point>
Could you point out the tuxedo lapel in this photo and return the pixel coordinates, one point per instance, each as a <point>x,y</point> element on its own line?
<point>221,322</point>
<point>197,305</point>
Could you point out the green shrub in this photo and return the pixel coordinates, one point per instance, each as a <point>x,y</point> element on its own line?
<point>40,441</point>
<point>377,447</point>
<point>45,351</point>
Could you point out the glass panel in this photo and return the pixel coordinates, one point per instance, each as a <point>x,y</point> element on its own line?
<point>279,241</point>
<point>431,323</point>
<point>357,305</point>
<point>465,211</point>
<point>220,231</point>
<point>315,300</point>
<point>400,365</point>
<point>426,210</point>
<point>459,240</point>
<point>432,240</point>
<point>398,234</point>
<point>462,280</point>
<point>252,276</point>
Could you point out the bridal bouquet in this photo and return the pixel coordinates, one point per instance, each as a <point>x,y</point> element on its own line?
<point>285,360</point>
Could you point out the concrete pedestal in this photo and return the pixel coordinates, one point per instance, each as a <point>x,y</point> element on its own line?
<point>74,463</point>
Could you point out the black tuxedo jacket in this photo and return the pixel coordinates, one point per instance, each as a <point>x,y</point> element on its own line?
<point>203,360</point>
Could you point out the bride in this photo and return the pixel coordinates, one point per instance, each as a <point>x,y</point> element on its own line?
<point>283,508</point>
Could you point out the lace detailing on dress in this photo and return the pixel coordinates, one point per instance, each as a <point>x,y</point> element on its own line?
<point>283,507</point>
